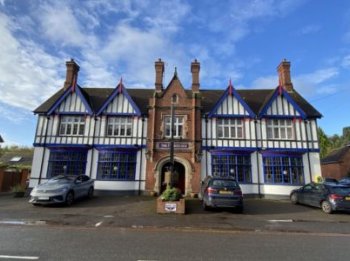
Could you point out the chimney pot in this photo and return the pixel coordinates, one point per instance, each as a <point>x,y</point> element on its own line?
<point>283,70</point>
<point>195,68</point>
<point>159,66</point>
<point>71,73</point>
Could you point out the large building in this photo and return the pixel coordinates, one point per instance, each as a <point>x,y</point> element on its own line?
<point>121,137</point>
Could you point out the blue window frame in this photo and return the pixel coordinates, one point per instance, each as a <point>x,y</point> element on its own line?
<point>116,165</point>
<point>288,170</point>
<point>238,166</point>
<point>66,162</point>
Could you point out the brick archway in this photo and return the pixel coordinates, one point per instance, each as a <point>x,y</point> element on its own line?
<point>188,173</point>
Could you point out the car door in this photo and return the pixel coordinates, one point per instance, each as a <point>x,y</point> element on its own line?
<point>79,186</point>
<point>306,194</point>
<point>315,195</point>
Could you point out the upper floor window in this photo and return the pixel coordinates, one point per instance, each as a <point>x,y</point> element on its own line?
<point>230,128</point>
<point>178,126</point>
<point>281,129</point>
<point>119,126</point>
<point>72,125</point>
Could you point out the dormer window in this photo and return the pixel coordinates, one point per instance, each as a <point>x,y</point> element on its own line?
<point>279,129</point>
<point>119,126</point>
<point>230,128</point>
<point>72,125</point>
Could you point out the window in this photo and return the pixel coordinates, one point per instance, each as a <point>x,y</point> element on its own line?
<point>232,165</point>
<point>230,128</point>
<point>279,129</point>
<point>116,165</point>
<point>119,126</point>
<point>284,170</point>
<point>72,125</point>
<point>67,163</point>
<point>178,126</point>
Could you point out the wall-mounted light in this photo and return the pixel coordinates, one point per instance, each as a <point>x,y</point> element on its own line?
<point>199,156</point>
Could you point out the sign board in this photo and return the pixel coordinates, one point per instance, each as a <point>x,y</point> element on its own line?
<point>170,207</point>
<point>177,145</point>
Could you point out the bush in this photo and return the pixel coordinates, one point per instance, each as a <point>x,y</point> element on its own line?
<point>18,188</point>
<point>171,194</point>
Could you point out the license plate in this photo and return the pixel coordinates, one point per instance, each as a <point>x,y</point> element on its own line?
<point>347,198</point>
<point>224,192</point>
<point>43,198</point>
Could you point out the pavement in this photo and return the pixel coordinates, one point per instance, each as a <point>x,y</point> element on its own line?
<point>139,212</point>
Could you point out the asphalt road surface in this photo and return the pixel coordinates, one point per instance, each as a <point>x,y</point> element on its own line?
<point>40,242</point>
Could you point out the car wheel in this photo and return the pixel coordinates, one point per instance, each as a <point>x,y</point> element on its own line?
<point>294,198</point>
<point>205,207</point>
<point>36,204</point>
<point>69,198</point>
<point>91,193</point>
<point>240,209</point>
<point>326,207</point>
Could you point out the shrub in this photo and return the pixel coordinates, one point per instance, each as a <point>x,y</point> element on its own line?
<point>171,194</point>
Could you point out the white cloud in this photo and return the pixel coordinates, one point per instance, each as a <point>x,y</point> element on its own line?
<point>346,61</point>
<point>60,25</point>
<point>28,74</point>
<point>310,29</point>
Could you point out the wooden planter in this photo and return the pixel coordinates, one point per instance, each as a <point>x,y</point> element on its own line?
<point>166,207</point>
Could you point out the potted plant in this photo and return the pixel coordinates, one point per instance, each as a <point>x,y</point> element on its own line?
<point>171,201</point>
<point>18,190</point>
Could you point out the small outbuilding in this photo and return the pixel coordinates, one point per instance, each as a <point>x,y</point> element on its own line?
<point>337,163</point>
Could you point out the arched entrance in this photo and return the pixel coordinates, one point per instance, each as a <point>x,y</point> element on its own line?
<point>178,177</point>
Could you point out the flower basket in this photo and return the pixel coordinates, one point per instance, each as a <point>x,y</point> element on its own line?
<point>171,201</point>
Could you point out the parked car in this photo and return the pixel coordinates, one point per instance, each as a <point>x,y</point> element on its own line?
<point>345,180</point>
<point>62,189</point>
<point>330,181</point>
<point>329,197</point>
<point>221,192</point>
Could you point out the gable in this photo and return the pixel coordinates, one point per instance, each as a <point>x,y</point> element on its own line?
<point>71,101</point>
<point>231,105</point>
<point>281,104</point>
<point>119,103</point>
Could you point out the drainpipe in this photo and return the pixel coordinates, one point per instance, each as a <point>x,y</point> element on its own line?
<point>206,145</point>
<point>92,146</point>
<point>143,121</point>
<point>42,161</point>
<point>257,156</point>
<point>308,150</point>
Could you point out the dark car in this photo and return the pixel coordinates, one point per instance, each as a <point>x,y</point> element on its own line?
<point>345,180</point>
<point>329,197</point>
<point>221,192</point>
<point>62,189</point>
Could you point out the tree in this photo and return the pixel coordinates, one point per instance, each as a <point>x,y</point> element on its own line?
<point>326,144</point>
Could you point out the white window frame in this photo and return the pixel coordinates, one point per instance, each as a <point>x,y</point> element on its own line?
<point>179,125</point>
<point>72,125</point>
<point>230,128</point>
<point>119,126</point>
<point>280,129</point>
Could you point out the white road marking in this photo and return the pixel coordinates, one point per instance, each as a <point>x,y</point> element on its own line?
<point>98,224</point>
<point>20,257</point>
<point>281,220</point>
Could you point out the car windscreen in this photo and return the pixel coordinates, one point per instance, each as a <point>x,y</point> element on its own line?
<point>223,183</point>
<point>340,190</point>
<point>62,178</point>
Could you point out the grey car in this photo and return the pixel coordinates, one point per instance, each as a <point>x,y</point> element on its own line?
<point>62,189</point>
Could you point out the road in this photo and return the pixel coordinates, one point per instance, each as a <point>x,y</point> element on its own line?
<point>41,242</point>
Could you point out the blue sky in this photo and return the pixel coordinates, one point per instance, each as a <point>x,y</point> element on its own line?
<point>238,39</point>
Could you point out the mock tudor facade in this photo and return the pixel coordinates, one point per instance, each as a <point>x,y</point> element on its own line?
<point>265,138</point>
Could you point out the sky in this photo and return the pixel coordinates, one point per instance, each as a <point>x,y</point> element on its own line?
<point>241,40</point>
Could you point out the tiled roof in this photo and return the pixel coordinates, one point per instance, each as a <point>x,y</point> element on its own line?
<point>19,158</point>
<point>255,99</point>
<point>336,155</point>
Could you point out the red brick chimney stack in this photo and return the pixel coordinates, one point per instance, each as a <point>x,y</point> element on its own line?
<point>159,66</point>
<point>284,75</point>
<point>195,68</point>
<point>72,73</point>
